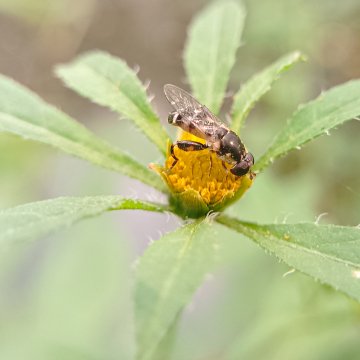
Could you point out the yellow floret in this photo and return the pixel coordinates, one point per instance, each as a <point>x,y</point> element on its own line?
<point>200,181</point>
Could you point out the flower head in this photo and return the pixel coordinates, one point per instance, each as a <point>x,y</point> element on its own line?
<point>200,181</point>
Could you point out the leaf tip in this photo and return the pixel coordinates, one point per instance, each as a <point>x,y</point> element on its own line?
<point>300,56</point>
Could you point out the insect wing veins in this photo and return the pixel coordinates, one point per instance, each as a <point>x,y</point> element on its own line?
<point>192,111</point>
<point>180,99</point>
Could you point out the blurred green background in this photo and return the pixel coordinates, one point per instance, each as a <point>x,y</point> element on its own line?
<point>69,296</point>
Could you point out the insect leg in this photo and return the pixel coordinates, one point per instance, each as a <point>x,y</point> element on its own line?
<point>187,145</point>
<point>173,155</point>
<point>224,166</point>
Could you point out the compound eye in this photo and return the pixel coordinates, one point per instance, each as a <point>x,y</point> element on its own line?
<point>240,169</point>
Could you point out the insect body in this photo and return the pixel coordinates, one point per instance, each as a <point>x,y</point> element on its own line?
<point>195,118</point>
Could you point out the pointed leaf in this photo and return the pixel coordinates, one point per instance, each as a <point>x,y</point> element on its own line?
<point>34,220</point>
<point>108,81</point>
<point>24,113</point>
<point>329,253</point>
<point>210,52</point>
<point>315,118</point>
<point>249,94</point>
<point>168,274</point>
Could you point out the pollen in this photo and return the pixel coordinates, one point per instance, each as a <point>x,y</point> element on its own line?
<point>200,181</point>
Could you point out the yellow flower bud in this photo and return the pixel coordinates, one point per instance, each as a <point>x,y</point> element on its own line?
<point>200,181</point>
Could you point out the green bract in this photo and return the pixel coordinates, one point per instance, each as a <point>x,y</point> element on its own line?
<point>163,286</point>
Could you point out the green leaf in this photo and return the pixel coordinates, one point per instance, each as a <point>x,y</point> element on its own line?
<point>168,274</point>
<point>108,81</point>
<point>67,316</point>
<point>210,52</point>
<point>315,118</point>
<point>329,253</point>
<point>249,94</point>
<point>34,220</point>
<point>24,113</point>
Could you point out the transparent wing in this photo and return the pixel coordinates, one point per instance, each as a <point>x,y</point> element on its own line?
<point>188,107</point>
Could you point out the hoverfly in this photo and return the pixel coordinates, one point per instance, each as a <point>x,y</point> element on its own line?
<point>197,119</point>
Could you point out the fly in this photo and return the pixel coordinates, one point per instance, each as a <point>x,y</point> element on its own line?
<point>197,119</point>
